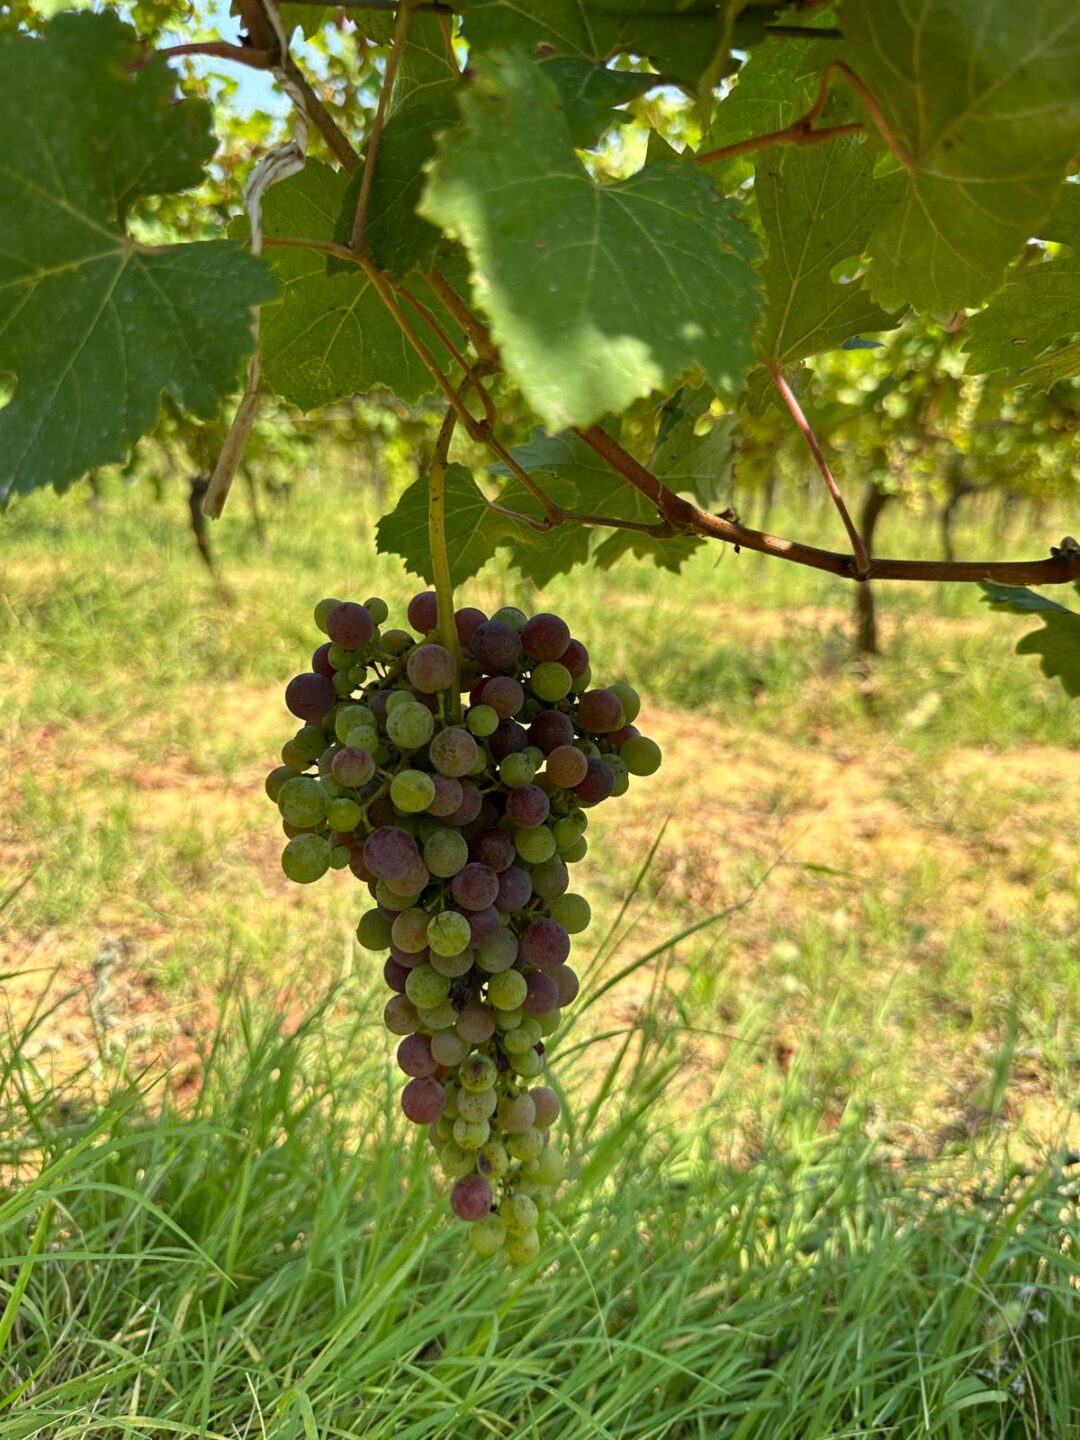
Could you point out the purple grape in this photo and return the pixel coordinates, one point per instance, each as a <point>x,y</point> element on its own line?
<point>576,659</point>
<point>542,995</point>
<point>377,704</point>
<point>471,1197</point>
<point>472,802</point>
<point>423,612</point>
<point>495,646</point>
<point>515,889</point>
<point>310,697</point>
<point>431,668</point>
<point>466,621</point>
<point>544,943</point>
<point>567,766</point>
<point>475,887</point>
<point>423,1100</point>
<point>527,806</point>
<point>600,711</point>
<point>476,1022</point>
<point>508,739</point>
<point>448,796</point>
<point>550,730</point>
<point>545,637</point>
<point>485,924</point>
<point>390,852</point>
<point>352,765</point>
<point>493,848</point>
<point>414,1055</point>
<point>620,737</point>
<point>320,662</point>
<point>547,1106</point>
<point>408,960</point>
<point>597,785</point>
<point>504,694</point>
<point>567,984</point>
<point>453,752</point>
<point>394,974</point>
<point>350,625</point>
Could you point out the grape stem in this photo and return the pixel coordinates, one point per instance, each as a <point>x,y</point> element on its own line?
<point>440,560</point>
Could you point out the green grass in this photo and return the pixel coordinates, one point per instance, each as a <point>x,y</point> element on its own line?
<point>821,1182</point>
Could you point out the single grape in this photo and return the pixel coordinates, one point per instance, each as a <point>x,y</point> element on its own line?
<point>527,1066</point>
<point>396,698</point>
<point>470,1198</point>
<point>454,1160</point>
<point>551,681</point>
<point>448,1048</point>
<point>542,994</point>
<point>320,661</point>
<point>507,990</point>
<point>412,882</point>
<point>377,608</point>
<point>545,637</point>
<point>516,1042</point>
<point>438,1017</point>
<point>526,1145</point>
<point>516,1113</point>
<point>400,1015</point>
<point>373,931</point>
<point>308,743</point>
<point>453,752</point>
<point>322,610</point>
<point>477,1104</point>
<point>426,987</point>
<point>550,1167</point>
<point>423,1100</point>
<point>504,694</point>
<point>471,1134</point>
<point>446,852</point>
<point>597,785</point>
<point>487,1236</point>
<point>495,646</point>
<point>640,755</point>
<point>410,725</point>
<point>550,878</point>
<point>453,965</point>
<point>431,668</point>
<point>306,858</point>
<point>544,943</point>
<point>493,848</point>
<point>567,766</point>
<point>475,887</point>
<point>478,1072</point>
<point>390,901</point>
<point>576,851</point>
<point>475,1023</point>
<point>343,815</point>
<point>472,803</point>
<point>302,802</point>
<point>492,1161</point>
<point>350,625</point>
<point>423,612</point>
<point>519,1214</point>
<point>342,658</point>
<point>466,621</point>
<point>511,615</point>
<point>619,770</point>
<point>515,888</point>
<point>566,983</point>
<point>600,711</point>
<point>499,955</point>
<point>390,852</point>
<point>277,778</point>
<point>352,766</point>
<point>414,1055</point>
<point>534,846</point>
<point>527,806</point>
<point>395,975</point>
<point>447,798</point>
<point>482,720</point>
<point>546,1104</point>
<point>409,930</point>
<point>628,698</point>
<point>448,933</point>
<point>412,791</point>
<point>517,769</point>
<point>550,729</point>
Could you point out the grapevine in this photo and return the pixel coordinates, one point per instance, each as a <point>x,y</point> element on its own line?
<point>463,829</point>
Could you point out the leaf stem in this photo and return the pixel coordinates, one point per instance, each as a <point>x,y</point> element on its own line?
<point>862,559</point>
<point>401,29</point>
<point>486,351</point>
<point>490,417</point>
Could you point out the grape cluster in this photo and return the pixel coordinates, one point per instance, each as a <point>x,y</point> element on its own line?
<point>462,821</point>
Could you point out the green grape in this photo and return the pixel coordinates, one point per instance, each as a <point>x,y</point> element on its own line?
<point>629,699</point>
<point>525,1144</point>
<point>378,609</point>
<point>471,1134</point>
<point>477,1104</point>
<point>448,933</point>
<point>618,767</point>
<point>455,1161</point>
<point>448,1049</point>
<point>401,1016</point>
<point>396,642</point>
<point>549,1022</point>
<point>528,1065</point>
<point>542,1196</point>
<point>487,1236</point>
<point>309,742</point>
<point>331,788</point>
<point>446,852</point>
<point>511,615</point>
<point>478,1072</point>
<point>640,755</point>
<point>516,1042</point>
<point>507,990</point>
<point>425,986</point>
<point>582,682</point>
<point>409,930</point>
<point>535,844</point>
<point>306,858</point>
<point>549,879</point>
<point>302,802</point>
<point>549,1167</point>
<point>391,899</point>
<point>438,1017</point>
<point>523,1248</point>
<point>516,1112</point>
<point>567,830</point>
<point>277,778</point>
<point>507,1020</point>
<point>397,698</point>
<point>531,1025</point>
<point>519,1213</point>
<point>577,851</point>
<point>492,1161</point>
<point>343,814</point>
<point>480,764</point>
<point>322,610</point>
<point>517,769</point>
<point>358,674</point>
<point>343,685</point>
<point>348,717</point>
<point>412,791</point>
<point>411,725</point>
<point>339,857</point>
<point>341,658</point>
<point>589,748</point>
<point>450,1090</point>
<point>443,1127</point>
<point>373,931</point>
<point>482,720</point>
<point>551,681</point>
<point>453,965</point>
<point>573,912</point>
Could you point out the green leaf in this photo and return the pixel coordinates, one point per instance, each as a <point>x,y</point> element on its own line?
<point>699,464</point>
<point>984,97</point>
<point>1058,642</point>
<point>473,528</point>
<point>541,556</point>
<point>818,205</point>
<point>776,85</point>
<point>329,335</point>
<point>588,93</point>
<point>597,293</point>
<point>93,327</point>
<point>309,19</point>
<point>688,42</point>
<point>1038,305</point>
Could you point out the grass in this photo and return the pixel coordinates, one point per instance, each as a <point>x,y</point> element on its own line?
<point>823,1180</point>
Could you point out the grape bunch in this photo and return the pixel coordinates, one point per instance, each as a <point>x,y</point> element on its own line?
<point>462,820</point>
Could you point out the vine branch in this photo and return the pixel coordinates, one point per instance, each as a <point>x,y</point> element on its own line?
<point>401,29</point>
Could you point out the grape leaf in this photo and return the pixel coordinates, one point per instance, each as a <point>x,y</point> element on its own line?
<point>771,89</point>
<point>597,293</point>
<point>700,465</point>
<point>1058,642</point>
<point>818,205</point>
<point>329,335</point>
<point>1038,305</point>
<point>94,327</point>
<point>687,42</point>
<point>309,19</point>
<point>473,528</point>
<point>984,98</point>
<point>541,556</point>
<point>589,92</point>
